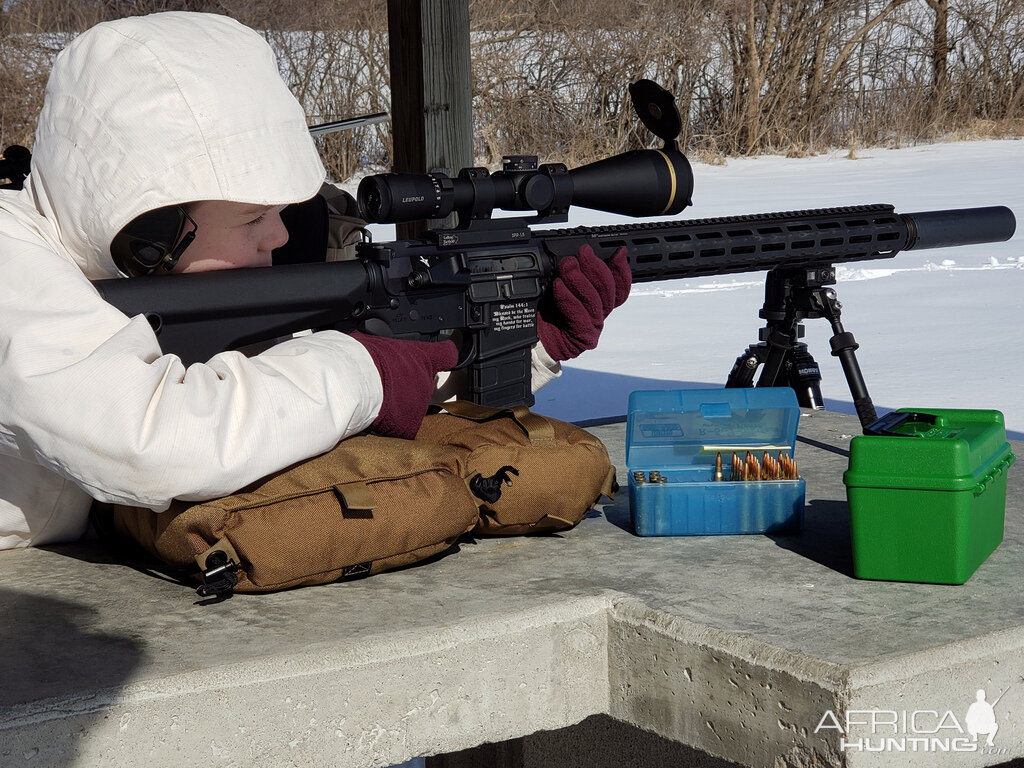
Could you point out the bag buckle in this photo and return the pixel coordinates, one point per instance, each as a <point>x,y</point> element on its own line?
<point>218,576</point>
<point>489,488</point>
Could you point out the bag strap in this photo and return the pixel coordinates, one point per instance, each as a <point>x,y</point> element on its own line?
<point>355,496</point>
<point>538,428</point>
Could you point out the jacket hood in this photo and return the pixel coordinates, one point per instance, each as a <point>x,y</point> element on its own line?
<point>150,111</point>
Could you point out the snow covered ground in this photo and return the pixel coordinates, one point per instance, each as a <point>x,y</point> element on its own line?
<point>936,328</point>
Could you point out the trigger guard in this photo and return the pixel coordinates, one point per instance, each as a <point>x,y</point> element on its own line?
<point>467,349</point>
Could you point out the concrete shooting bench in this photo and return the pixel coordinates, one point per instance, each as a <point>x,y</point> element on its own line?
<point>592,648</point>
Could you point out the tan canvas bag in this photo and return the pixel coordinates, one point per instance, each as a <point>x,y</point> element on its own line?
<point>370,504</point>
<point>532,473</point>
<point>376,503</point>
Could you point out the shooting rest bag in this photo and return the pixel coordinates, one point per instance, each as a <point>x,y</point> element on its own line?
<point>370,504</point>
<point>531,473</point>
<point>375,503</point>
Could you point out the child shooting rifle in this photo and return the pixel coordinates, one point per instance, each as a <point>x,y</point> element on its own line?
<point>170,143</point>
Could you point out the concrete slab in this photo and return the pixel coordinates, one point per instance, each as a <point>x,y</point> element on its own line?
<point>740,646</point>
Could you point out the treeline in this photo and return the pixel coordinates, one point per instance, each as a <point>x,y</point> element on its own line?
<point>550,78</point>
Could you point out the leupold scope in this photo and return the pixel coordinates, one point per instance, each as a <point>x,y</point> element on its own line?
<point>644,182</point>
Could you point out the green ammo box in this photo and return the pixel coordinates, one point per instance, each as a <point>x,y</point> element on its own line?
<point>927,494</point>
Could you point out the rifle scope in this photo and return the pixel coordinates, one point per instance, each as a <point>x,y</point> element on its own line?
<point>643,182</point>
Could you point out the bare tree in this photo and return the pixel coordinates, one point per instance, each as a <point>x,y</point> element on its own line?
<point>550,77</point>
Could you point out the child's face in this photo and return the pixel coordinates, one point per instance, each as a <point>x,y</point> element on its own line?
<point>232,236</point>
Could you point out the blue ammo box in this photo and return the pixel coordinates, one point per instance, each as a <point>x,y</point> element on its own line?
<point>677,435</point>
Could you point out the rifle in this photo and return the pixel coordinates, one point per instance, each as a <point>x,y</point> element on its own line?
<point>481,283</point>
<point>348,123</point>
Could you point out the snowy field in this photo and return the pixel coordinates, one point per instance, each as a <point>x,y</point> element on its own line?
<point>936,328</point>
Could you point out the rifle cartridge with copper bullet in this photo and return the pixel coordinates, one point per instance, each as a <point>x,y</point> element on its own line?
<point>754,472</point>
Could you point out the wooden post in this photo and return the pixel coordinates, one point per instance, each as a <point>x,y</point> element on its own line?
<point>431,94</point>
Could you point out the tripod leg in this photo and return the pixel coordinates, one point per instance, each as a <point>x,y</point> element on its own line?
<point>743,370</point>
<point>773,352</point>
<point>779,344</point>
<point>805,378</point>
<point>843,346</point>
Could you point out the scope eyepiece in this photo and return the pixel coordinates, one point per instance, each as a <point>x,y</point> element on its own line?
<point>390,197</point>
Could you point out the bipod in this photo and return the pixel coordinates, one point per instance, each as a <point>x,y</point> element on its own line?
<point>792,295</point>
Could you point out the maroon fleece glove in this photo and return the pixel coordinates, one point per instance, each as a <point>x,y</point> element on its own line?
<point>407,370</point>
<point>582,294</point>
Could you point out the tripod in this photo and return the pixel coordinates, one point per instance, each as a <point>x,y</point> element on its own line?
<point>791,295</point>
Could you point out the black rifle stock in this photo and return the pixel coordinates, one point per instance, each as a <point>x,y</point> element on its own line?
<point>482,286</point>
